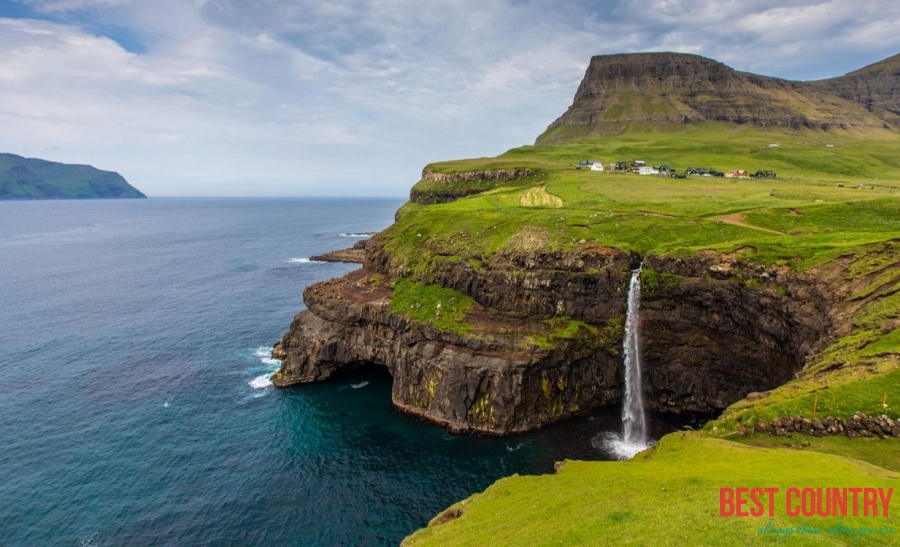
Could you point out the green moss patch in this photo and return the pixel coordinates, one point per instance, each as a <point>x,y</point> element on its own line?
<point>444,308</point>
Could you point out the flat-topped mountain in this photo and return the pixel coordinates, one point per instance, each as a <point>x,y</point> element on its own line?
<point>30,178</point>
<point>667,89</point>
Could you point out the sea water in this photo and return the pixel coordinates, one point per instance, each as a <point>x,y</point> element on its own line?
<point>135,396</point>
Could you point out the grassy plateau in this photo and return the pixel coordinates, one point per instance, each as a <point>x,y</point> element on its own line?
<point>836,198</point>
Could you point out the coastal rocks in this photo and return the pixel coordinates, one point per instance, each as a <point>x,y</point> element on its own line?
<point>489,383</point>
<point>858,425</point>
<point>708,341</point>
<point>353,255</point>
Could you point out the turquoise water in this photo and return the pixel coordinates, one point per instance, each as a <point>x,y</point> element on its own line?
<point>133,357</point>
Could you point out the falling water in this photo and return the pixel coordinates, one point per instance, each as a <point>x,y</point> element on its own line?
<point>634,423</point>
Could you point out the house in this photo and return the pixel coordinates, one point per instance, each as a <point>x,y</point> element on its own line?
<point>597,166</point>
<point>737,174</point>
<point>638,163</point>
<point>621,166</point>
<point>647,170</point>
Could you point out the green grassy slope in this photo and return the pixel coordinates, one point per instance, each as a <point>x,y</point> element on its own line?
<point>666,496</point>
<point>28,178</point>
<point>829,205</point>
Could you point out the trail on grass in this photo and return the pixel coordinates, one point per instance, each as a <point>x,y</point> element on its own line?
<point>737,219</point>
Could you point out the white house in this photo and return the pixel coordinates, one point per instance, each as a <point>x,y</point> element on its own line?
<point>597,166</point>
<point>647,170</point>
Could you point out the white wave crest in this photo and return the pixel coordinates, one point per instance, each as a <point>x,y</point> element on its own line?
<point>359,385</point>
<point>305,261</point>
<point>358,234</point>
<point>261,382</point>
<point>270,361</point>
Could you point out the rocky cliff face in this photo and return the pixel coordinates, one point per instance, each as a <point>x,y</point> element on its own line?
<point>445,187</point>
<point>714,328</point>
<point>875,87</point>
<point>674,88</point>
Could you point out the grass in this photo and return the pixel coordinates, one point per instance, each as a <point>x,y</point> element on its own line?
<point>827,206</point>
<point>816,218</point>
<point>443,308</point>
<point>666,496</point>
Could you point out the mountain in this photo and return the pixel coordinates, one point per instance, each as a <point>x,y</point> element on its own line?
<point>30,178</point>
<point>663,90</point>
<point>875,87</point>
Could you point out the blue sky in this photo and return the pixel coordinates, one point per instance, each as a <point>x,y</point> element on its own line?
<point>354,97</point>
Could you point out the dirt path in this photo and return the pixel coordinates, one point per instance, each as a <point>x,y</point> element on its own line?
<point>737,219</point>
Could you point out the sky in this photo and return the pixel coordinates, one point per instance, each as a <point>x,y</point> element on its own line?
<point>355,97</point>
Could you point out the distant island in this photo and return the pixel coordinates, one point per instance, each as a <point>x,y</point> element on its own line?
<point>30,178</point>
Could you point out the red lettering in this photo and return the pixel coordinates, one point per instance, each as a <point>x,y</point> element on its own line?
<point>726,502</point>
<point>885,501</point>
<point>839,498</point>
<point>855,492</point>
<point>741,502</point>
<point>791,492</point>
<point>823,502</point>
<point>754,497</point>
<point>808,501</point>
<point>772,492</point>
<point>870,500</point>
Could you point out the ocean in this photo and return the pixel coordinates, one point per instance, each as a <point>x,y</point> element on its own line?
<point>135,404</point>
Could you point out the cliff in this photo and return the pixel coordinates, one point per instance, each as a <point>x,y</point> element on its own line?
<point>29,178</point>
<point>497,299</point>
<point>710,337</point>
<point>665,90</point>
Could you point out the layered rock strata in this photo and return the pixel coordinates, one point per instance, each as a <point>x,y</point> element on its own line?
<point>713,329</point>
<point>664,89</point>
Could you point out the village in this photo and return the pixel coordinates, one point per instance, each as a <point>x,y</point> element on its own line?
<point>640,167</point>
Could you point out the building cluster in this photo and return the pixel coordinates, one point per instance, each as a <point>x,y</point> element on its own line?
<point>640,167</point>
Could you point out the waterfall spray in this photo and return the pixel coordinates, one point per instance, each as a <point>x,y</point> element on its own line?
<point>634,423</point>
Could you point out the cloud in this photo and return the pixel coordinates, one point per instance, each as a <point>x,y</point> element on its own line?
<point>307,97</point>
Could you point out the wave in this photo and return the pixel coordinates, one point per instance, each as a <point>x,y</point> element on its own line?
<point>358,234</point>
<point>264,354</point>
<point>305,261</point>
<point>360,385</point>
<point>261,382</point>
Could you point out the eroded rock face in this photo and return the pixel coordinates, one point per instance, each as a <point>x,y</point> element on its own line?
<point>713,329</point>
<point>678,88</point>
<point>486,382</point>
<point>453,185</point>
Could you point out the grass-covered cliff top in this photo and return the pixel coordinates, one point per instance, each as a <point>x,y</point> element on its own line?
<point>824,199</point>
<point>836,196</point>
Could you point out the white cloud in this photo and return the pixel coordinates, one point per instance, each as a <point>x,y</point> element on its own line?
<point>306,97</point>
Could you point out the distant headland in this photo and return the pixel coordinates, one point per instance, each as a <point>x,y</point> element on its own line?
<point>30,178</point>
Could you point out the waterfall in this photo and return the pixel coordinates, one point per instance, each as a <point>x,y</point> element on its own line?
<point>634,423</point>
